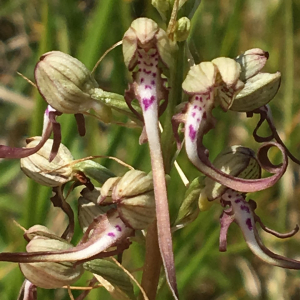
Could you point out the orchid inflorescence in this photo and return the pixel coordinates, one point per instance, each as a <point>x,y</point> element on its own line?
<point>115,209</point>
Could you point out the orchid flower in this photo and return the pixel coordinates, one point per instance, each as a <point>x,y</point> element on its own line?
<point>209,84</point>
<point>240,161</point>
<point>134,209</point>
<point>145,47</point>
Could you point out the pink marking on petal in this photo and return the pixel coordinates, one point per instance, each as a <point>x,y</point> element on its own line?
<point>195,106</point>
<point>198,120</point>
<point>249,224</point>
<point>193,114</point>
<point>245,208</point>
<point>118,227</point>
<point>147,72</point>
<point>148,102</point>
<point>236,201</point>
<point>154,75</point>
<point>153,82</point>
<point>201,99</point>
<point>204,115</point>
<point>148,87</point>
<point>192,132</point>
<point>111,234</point>
<point>197,98</point>
<point>142,80</point>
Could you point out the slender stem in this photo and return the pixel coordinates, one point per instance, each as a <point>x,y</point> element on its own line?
<point>175,97</point>
<point>152,265</point>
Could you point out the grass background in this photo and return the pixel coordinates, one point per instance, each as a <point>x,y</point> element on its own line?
<point>85,29</point>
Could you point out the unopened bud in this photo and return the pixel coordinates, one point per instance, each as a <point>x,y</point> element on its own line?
<point>162,6</point>
<point>134,196</point>
<point>50,275</point>
<point>38,167</point>
<point>66,84</point>
<point>236,161</point>
<point>88,209</point>
<point>182,30</point>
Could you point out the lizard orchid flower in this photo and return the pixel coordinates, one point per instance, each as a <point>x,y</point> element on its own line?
<point>209,84</point>
<point>240,161</point>
<point>131,207</point>
<point>146,49</point>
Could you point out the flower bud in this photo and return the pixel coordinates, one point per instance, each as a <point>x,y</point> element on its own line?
<point>189,209</point>
<point>67,85</point>
<point>88,209</point>
<point>50,275</point>
<point>134,196</point>
<point>182,30</point>
<point>38,167</point>
<point>258,91</point>
<point>236,161</point>
<point>146,34</point>
<point>162,6</point>
<point>251,61</point>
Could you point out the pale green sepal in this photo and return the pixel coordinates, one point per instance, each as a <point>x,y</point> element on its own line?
<point>258,91</point>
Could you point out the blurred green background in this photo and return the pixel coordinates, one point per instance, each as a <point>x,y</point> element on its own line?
<point>85,29</point>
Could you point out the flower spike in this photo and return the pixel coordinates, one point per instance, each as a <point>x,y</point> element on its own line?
<point>241,162</point>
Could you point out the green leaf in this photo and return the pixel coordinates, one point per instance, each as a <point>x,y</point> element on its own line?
<point>118,282</point>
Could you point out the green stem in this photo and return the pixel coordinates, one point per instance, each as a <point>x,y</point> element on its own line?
<point>175,97</point>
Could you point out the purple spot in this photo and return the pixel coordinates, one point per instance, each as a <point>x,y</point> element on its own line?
<point>200,108</point>
<point>140,70</point>
<point>204,115</point>
<point>193,114</point>
<point>237,201</point>
<point>156,58</point>
<point>147,72</point>
<point>153,82</point>
<point>197,98</point>
<point>142,80</point>
<point>154,54</point>
<point>148,102</point>
<point>245,208</point>
<point>195,106</point>
<point>229,196</point>
<point>118,227</point>
<point>139,55</point>
<point>148,87</point>
<point>201,100</point>
<point>111,234</point>
<point>192,132</point>
<point>198,120</point>
<point>154,75</point>
<point>249,224</point>
<point>148,64</point>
